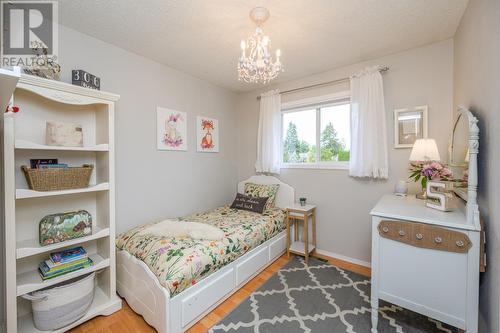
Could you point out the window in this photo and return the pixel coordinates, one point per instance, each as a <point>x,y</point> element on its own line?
<point>325,125</point>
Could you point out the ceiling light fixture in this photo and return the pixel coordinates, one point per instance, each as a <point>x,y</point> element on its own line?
<point>258,66</point>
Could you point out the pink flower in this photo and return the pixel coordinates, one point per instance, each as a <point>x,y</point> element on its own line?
<point>436,165</point>
<point>447,172</point>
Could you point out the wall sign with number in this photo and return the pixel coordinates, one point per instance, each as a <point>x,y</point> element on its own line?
<point>85,79</point>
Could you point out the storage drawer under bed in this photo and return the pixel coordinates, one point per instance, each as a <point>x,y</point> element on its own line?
<point>277,247</point>
<point>248,267</point>
<point>215,290</point>
<point>196,304</point>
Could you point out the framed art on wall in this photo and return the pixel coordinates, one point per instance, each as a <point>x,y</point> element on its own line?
<point>207,134</point>
<point>410,124</point>
<point>171,129</point>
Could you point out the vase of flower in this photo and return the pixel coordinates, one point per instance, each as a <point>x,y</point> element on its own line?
<point>424,171</point>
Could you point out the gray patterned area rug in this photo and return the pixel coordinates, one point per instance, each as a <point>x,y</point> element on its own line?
<point>319,298</point>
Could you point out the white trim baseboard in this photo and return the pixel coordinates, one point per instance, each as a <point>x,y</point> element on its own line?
<point>344,258</point>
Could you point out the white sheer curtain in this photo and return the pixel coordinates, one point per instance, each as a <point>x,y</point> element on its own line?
<point>269,134</point>
<point>368,126</point>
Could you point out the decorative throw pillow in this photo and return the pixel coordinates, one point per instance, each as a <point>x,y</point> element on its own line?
<point>253,204</point>
<point>263,190</point>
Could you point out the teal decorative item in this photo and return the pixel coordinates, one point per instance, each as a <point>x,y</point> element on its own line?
<point>61,227</point>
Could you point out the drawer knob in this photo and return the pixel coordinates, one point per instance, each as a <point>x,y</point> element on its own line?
<point>385,229</point>
<point>460,243</point>
<point>419,236</point>
<point>402,233</point>
<point>438,240</point>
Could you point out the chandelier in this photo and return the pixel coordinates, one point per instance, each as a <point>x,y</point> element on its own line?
<point>258,65</point>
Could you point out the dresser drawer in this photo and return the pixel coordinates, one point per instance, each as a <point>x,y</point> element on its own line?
<point>435,280</point>
<point>425,235</point>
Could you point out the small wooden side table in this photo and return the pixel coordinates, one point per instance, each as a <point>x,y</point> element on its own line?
<point>295,214</point>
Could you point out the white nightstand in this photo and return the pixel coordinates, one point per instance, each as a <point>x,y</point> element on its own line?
<point>295,214</point>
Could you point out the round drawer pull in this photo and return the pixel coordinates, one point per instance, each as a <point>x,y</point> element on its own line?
<point>438,240</point>
<point>401,233</point>
<point>419,236</point>
<point>385,229</point>
<point>460,243</point>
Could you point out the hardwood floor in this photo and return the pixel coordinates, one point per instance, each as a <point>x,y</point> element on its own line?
<point>127,321</point>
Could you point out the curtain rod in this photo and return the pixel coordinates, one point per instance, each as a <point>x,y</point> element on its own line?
<point>382,70</point>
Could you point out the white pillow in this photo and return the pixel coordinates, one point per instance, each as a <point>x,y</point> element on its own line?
<point>195,230</point>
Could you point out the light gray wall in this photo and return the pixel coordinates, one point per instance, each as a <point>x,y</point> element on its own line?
<point>421,76</point>
<point>153,184</point>
<point>477,86</point>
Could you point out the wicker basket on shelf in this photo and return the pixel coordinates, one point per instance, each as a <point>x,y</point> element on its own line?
<point>54,179</point>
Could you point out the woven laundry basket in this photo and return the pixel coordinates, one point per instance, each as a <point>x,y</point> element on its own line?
<point>58,306</point>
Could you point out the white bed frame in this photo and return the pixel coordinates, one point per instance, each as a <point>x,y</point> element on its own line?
<point>140,287</point>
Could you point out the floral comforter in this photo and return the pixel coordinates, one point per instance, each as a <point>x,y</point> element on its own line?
<point>181,262</point>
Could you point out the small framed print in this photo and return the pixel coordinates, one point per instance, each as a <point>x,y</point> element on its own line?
<point>409,125</point>
<point>207,135</point>
<point>171,129</point>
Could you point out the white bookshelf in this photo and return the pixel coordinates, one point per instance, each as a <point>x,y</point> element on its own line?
<point>42,100</point>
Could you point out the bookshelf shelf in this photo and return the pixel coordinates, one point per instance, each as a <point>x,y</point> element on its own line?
<point>31,247</point>
<point>26,193</point>
<point>23,144</point>
<point>31,281</point>
<point>41,100</point>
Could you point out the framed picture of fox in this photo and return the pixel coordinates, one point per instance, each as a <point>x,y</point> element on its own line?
<point>207,136</point>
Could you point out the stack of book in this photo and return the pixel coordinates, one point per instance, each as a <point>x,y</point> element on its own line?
<point>46,163</point>
<point>63,262</point>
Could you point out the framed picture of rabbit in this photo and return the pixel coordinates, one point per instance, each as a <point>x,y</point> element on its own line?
<point>207,134</point>
<point>171,129</point>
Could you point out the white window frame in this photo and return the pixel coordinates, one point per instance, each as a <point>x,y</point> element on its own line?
<point>317,103</point>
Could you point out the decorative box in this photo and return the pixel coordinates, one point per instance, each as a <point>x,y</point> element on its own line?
<point>63,134</point>
<point>61,227</point>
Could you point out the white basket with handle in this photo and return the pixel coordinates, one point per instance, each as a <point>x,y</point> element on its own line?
<point>58,306</point>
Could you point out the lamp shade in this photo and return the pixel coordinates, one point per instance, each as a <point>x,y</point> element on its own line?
<point>425,150</point>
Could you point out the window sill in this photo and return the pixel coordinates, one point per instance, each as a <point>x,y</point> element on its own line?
<point>325,166</point>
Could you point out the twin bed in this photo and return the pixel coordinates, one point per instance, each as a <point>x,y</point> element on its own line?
<point>174,282</point>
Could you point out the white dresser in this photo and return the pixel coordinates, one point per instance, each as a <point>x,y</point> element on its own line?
<point>426,261</point>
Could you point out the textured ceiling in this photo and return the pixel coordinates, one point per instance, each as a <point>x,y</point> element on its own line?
<point>202,37</point>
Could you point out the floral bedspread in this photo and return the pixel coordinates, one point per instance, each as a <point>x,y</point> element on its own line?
<point>181,262</point>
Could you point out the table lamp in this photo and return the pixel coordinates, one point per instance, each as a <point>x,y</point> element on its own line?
<point>424,150</point>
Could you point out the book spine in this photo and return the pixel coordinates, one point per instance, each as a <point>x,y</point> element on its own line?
<point>48,275</point>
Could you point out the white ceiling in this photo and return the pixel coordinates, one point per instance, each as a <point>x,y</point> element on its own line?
<point>202,37</point>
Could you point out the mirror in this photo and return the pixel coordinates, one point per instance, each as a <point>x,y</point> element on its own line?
<point>459,155</point>
<point>463,150</point>
<point>459,148</point>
